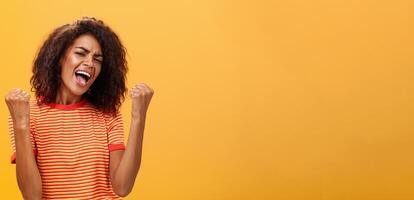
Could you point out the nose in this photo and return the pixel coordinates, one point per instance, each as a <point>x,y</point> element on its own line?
<point>88,61</point>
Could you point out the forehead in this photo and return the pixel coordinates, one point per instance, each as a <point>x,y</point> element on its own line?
<point>88,42</point>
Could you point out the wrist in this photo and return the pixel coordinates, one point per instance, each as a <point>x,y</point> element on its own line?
<point>21,123</point>
<point>21,126</point>
<point>137,119</point>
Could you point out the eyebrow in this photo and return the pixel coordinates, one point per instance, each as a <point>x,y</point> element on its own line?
<point>83,48</point>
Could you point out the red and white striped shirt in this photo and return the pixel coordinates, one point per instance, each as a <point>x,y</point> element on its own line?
<point>71,144</point>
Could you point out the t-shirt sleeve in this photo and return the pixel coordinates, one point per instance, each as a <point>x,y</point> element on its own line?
<point>115,127</point>
<point>12,141</point>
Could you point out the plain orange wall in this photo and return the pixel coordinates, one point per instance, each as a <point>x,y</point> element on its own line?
<point>287,100</point>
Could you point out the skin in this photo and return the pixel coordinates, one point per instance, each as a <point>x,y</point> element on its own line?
<point>83,54</point>
<point>27,173</point>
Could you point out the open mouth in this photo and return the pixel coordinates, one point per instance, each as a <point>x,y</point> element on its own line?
<point>82,77</point>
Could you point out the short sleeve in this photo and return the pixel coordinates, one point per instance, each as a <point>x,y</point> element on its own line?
<point>12,141</point>
<point>115,127</point>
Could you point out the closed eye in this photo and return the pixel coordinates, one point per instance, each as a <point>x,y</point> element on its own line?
<point>80,53</point>
<point>98,60</point>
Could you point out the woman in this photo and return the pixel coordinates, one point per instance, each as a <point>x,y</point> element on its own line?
<point>68,142</point>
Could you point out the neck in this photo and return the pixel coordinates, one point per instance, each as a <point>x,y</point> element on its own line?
<point>64,97</point>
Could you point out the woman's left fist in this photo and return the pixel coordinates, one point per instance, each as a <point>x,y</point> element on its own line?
<point>141,96</point>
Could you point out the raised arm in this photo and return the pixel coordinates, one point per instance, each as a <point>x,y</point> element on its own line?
<point>27,173</point>
<point>124,165</point>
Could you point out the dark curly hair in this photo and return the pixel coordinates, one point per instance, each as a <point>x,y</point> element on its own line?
<point>108,91</point>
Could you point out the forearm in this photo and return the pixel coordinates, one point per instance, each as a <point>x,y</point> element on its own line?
<point>28,176</point>
<point>125,174</point>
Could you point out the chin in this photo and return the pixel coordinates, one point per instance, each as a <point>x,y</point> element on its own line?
<point>79,92</point>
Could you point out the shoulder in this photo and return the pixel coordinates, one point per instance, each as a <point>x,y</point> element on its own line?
<point>34,106</point>
<point>111,118</point>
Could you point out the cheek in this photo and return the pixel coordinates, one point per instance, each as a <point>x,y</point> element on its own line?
<point>64,69</point>
<point>69,63</point>
<point>73,61</point>
<point>98,71</point>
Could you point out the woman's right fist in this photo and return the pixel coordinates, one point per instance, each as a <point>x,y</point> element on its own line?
<point>18,102</point>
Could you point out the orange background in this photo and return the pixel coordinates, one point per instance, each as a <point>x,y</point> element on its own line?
<point>284,100</point>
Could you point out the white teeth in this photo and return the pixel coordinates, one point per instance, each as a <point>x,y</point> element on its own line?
<point>84,73</point>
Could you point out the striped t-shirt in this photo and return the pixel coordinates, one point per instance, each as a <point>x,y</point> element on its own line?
<point>71,144</point>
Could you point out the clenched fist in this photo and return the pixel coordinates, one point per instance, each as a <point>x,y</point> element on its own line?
<point>17,101</point>
<point>141,96</point>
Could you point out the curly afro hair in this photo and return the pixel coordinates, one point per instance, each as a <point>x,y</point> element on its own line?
<point>108,91</point>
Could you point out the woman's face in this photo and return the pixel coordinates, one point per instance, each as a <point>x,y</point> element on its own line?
<point>81,65</point>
